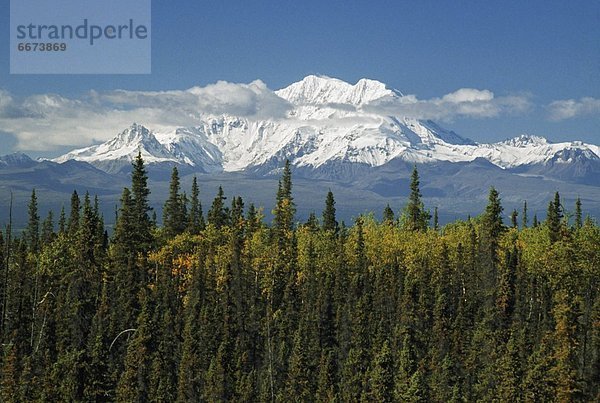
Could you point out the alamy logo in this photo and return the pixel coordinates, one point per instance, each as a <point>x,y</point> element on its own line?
<point>80,37</point>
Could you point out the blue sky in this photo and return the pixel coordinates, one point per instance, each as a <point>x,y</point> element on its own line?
<point>547,52</point>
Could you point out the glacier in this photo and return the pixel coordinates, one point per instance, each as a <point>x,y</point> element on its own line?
<point>329,121</point>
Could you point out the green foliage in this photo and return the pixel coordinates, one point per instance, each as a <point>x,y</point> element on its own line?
<point>415,217</point>
<point>329,221</point>
<point>285,208</point>
<point>388,215</point>
<point>174,210</point>
<point>218,215</point>
<point>554,217</point>
<point>195,218</point>
<point>32,232</point>
<point>240,311</point>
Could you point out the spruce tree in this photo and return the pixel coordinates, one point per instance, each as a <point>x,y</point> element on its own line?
<point>139,192</point>
<point>252,220</point>
<point>415,218</point>
<point>578,214</point>
<point>326,381</point>
<point>524,217</point>
<point>436,224</point>
<point>312,223</point>
<point>195,217</point>
<point>554,217</point>
<point>493,226</point>
<point>329,221</point>
<point>174,220</point>
<point>388,215</point>
<point>73,223</point>
<point>285,208</point>
<point>134,382</point>
<point>382,375</point>
<point>492,217</point>
<point>217,215</point>
<point>47,234</point>
<point>62,221</point>
<point>237,212</point>
<point>33,225</point>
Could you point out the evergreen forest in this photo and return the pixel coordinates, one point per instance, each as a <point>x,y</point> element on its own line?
<point>216,304</point>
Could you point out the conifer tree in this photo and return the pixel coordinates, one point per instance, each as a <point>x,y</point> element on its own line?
<point>33,225</point>
<point>194,350</point>
<point>524,217</point>
<point>578,216</point>
<point>62,221</point>
<point>285,208</point>
<point>134,383</point>
<point>329,221</point>
<point>299,373</point>
<point>493,226</point>
<point>554,217</point>
<point>237,212</point>
<point>312,223</point>
<point>139,193</point>
<point>388,215</point>
<point>405,368</point>
<point>73,223</point>
<point>326,377</point>
<point>174,220</point>
<point>99,386</point>
<point>87,233</point>
<point>415,218</point>
<point>252,220</point>
<point>505,300</point>
<point>128,278</point>
<point>218,382</point>
<point>535,221</point>
<point>436,224</point>
<point>196,218</point>
<point>47,234</point>
<point>382,375</point>
<point>352,376</point>
<point>218,214</point>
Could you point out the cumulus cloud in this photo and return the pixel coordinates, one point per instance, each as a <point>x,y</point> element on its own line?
<point>45,122</point>
<point>464,102</point>
<point>468,95</point>
<point>571,108</point>
<point>49,121</point>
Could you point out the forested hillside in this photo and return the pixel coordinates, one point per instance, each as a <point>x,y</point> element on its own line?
<point>225,306</point>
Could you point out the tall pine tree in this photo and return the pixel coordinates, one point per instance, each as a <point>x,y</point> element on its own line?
<point>329,221</point>
<point>174,219</point>
<point>415,218</point>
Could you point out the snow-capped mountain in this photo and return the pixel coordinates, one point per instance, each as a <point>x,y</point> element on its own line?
<point>330,121</point>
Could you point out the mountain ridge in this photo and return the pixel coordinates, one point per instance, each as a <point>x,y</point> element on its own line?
<point>329,123</point>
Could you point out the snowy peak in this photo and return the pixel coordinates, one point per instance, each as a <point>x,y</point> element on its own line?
<point>330,122</point>
<point>525,140</point>
<point>135,135</point>
<point>16,160</point>
<point>121,149</point>
<point>322,90</point>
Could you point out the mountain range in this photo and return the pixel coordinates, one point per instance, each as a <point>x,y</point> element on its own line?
<point>331,122</point>
<point>336,135</point>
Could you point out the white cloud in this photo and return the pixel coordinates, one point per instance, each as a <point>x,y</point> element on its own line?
<point>464,102</point>
<point>46,122</point>
<point>468,95</point>
<point>571,108</point>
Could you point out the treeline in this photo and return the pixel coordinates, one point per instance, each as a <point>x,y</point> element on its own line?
<point>223,307</point>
